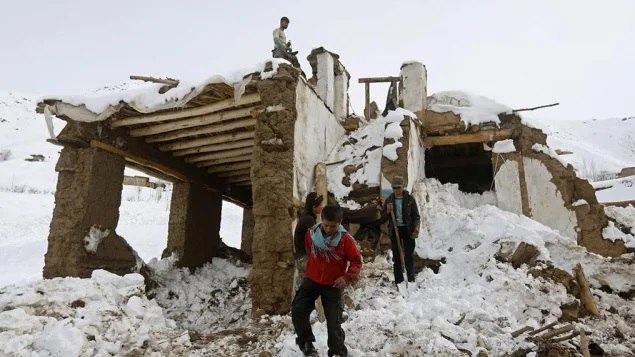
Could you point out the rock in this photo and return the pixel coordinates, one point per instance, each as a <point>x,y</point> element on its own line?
<point>525,254</point>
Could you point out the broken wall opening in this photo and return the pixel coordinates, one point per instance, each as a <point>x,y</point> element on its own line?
<point>467,165</point>
<point>144,213</point>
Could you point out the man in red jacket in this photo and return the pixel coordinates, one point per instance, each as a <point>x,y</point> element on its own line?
<point>333,262</point>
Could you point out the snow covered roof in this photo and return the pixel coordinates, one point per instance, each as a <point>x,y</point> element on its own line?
<point>473,109</point>
<point>148,99</point>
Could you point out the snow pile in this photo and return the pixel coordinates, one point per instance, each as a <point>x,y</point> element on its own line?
<point>147,99</point>
<point>473,109</point>
<point>104,315</point>
<point>504,146</point>
<point>622,225</point>
<point>474,301</point>
<point>215,297</point>
<point>361,149</point>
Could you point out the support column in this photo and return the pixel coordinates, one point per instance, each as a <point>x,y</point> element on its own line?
<point>414,83</point>
<point>248,230</point>
<point>272,177</point>
<point>326,78</point>
<point>82,234</point>
<point>341,92</point>
<point>193,231</point>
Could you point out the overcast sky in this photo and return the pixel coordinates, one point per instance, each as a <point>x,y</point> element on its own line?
<point>520,53</point>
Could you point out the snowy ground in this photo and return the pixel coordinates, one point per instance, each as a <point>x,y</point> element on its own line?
<point>473,303</point>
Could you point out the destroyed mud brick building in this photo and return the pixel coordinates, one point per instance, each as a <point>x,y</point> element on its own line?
<point>264,139</point>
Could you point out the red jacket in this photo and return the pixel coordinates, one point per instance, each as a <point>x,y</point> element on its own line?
<point>325,272</point>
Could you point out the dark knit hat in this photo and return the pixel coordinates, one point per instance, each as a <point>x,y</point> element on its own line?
<point>312,200</point>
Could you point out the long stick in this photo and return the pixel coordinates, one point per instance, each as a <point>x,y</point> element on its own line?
<point>534,108</point>
<point>401,255</point>
<point>168,81</point>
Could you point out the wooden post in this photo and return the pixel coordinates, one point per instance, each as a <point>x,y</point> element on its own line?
<point>584,344</point>
<point>321,186</point>
<point>586,297</point>
<point>322,189</point>
<point>367,108</point>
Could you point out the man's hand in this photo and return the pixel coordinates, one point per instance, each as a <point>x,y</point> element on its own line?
<point>340,283</point>
<point>415,234</point>
<point>389,208</point>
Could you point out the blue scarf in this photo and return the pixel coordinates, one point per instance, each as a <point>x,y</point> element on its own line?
<point>325,246</point>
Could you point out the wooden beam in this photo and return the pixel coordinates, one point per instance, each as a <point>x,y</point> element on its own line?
<point>238,179</point>
<point>219,155</point>
<point>192,122</point>
<point>226,160</point>
<point>379,79</point>
<point>246,183</point>
<point>139,160</point>
<point>209,140</point>
<point>216,147</point>
<point>191,112</point>
<point>230,167</point>
<point>210,129</point>
<point>168,81</point>
<point>478,137</point>
<point>240,172</point>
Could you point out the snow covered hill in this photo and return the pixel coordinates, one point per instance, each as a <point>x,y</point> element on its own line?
<point>600,148</point>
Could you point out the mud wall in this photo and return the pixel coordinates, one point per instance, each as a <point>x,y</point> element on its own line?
<point>193,230</point>
<point>547,191</point>
<point>271,277</point>
<point>88,196</point>
<point>317,131</point>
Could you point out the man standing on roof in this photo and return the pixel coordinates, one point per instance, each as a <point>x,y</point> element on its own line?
<point>282,47</point>
<point>333,263</point>
<point>407,218</point>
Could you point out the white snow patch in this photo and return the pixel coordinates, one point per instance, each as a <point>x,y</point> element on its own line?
<point>548,151</point>
<point>612,233</point>
<point>473,109</point>
<point>94,237</point>
<point>580,202</point>
<point>390,151</point>
<point>361,148</point>
<point>504,146</point>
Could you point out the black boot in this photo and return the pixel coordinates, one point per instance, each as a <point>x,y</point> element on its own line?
<point>308,349</point>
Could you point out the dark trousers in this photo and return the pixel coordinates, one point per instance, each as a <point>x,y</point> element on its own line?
<point>408,245</point>
<point>304,303</point>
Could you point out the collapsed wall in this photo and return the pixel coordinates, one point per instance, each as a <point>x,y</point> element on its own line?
<point>533,182</point>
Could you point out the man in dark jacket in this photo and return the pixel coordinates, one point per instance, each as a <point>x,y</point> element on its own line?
<point>333,263</point>
<point>312,207</point>
<point>407,218</point>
